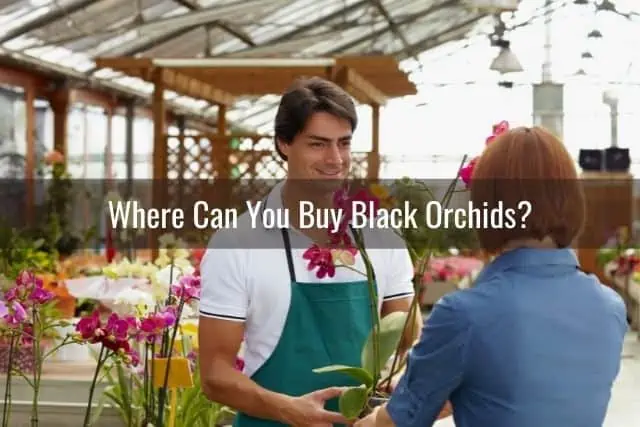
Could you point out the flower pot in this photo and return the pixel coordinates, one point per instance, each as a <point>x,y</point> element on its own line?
<point>180,375</point>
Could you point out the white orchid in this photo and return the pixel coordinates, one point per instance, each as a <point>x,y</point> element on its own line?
<point>134,301</point>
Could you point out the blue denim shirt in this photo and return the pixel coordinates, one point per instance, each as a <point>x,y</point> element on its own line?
<point>535,343</point>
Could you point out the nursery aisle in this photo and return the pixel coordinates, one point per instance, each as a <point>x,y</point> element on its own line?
<point>625,400</point>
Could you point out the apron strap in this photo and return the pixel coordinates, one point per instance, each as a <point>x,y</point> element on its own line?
<point>287,248</point>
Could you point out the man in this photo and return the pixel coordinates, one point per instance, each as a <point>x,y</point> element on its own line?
<point>256,285</point>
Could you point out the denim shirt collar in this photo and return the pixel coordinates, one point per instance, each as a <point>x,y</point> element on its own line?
<point>530,257</point>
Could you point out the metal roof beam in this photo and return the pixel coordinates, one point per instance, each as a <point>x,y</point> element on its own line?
<point>408,20</point>
<point>304,28</point>
<point>223,25</point>
<point>46,19</point>
<point>435,40</point>
<point>392,23</point>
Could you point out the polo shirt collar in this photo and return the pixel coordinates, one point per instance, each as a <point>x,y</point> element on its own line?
<point>273,201</point>
<point>531,257</point>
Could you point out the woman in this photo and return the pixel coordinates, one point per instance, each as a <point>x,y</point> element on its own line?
<point>536,342</point>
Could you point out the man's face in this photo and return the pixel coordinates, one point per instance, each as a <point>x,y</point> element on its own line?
<point>322,151</point>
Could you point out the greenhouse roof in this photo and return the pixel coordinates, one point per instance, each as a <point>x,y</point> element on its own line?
<point>66,36</point>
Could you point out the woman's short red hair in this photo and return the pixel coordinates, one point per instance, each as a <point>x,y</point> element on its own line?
<point>529,164</point>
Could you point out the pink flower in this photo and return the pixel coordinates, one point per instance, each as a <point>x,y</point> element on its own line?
<point>40,295</point>
<point>188,288</point>
<point>152,326</point>
<point>467,172</point>
<point>53,157</point>
<point>322,259</point>
<point>117,328</point>
<point>89,328</point>
<point>345,203</point>
<point>14,314</point>
<point>239,363</point>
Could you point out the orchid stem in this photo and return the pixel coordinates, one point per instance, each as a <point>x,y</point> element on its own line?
<point>87,414</point>
<point>6,411</point>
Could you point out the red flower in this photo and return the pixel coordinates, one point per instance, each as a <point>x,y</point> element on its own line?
<point>467,172</point>
<point>321,259</point>
<point>239,364</point>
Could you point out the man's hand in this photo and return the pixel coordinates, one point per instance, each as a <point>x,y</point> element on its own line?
<point>308,410</point>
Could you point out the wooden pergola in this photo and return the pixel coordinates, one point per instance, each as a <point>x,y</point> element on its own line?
<point>371,80</point>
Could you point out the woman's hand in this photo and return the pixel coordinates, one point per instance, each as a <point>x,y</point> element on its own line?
<point>369,420</point>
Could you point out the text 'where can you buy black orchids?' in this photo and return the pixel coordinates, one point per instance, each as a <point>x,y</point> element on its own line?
<point>131,215</point>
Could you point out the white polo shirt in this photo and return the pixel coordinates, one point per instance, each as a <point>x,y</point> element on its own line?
<point>245,277</point>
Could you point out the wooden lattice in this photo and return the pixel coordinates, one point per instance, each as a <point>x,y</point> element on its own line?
<point>229,170</point>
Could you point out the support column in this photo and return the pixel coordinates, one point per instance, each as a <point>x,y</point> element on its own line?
<point>548,107</point>
<point>59,102</point>
<point>30,138</point>
<point>159,184</point>
<point>221,149</point>
<point>373,167</point>
<point>129,121</point>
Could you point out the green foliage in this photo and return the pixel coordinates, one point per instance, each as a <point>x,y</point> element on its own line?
<point>391,328</point>
<point>20,252</point>
<point>125,392</point>
<point>353,401</point>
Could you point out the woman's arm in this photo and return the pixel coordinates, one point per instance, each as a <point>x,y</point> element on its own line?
<point>435,369</point>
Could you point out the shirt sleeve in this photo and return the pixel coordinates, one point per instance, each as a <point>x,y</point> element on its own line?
<point>435,367</point>
<point>399,281</point>
<point>224,293</point>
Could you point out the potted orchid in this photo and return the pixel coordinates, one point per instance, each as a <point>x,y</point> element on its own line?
<point>384,340</point>
<point>385,337</point>
<point>28,319</point>
<point>147,343</point>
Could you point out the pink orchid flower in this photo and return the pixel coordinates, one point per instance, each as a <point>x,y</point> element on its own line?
<point>14,314</point>
<point>188,288</point>
<point>466,173</point>
<point>322,259</point>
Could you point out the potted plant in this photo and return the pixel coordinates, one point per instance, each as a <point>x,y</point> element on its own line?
<point>386,334</point>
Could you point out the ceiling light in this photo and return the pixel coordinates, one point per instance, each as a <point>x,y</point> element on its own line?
<point>606,6</point>
<point>506,62</point>
<point>595,34</point>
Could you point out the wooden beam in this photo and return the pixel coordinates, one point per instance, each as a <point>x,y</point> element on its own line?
<point>16,77</point>
<point>123,63</point>
<point>92,97</point>
<point>359,87</point>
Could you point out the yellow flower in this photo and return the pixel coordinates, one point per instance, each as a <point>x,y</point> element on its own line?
<point>382,193</point>
<point>343,257</point>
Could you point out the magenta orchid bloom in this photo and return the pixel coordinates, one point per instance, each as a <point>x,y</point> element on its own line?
<point>466,173</point>
<point>321,259</point>
<point>13,314</point>
<point>187,288</point>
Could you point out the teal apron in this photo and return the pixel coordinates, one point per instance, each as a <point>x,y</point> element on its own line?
<point>327,324</point>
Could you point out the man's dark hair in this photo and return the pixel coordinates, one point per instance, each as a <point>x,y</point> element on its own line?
<point>306,97</point>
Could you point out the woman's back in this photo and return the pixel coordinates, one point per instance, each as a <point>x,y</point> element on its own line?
<point>545,343</point>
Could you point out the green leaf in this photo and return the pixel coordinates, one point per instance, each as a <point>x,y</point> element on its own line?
<point>357,373</point>
<point>352,401</point>
<point>391,327</point>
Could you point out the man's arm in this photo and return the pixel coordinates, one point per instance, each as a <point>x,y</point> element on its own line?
<point>223,383</point>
